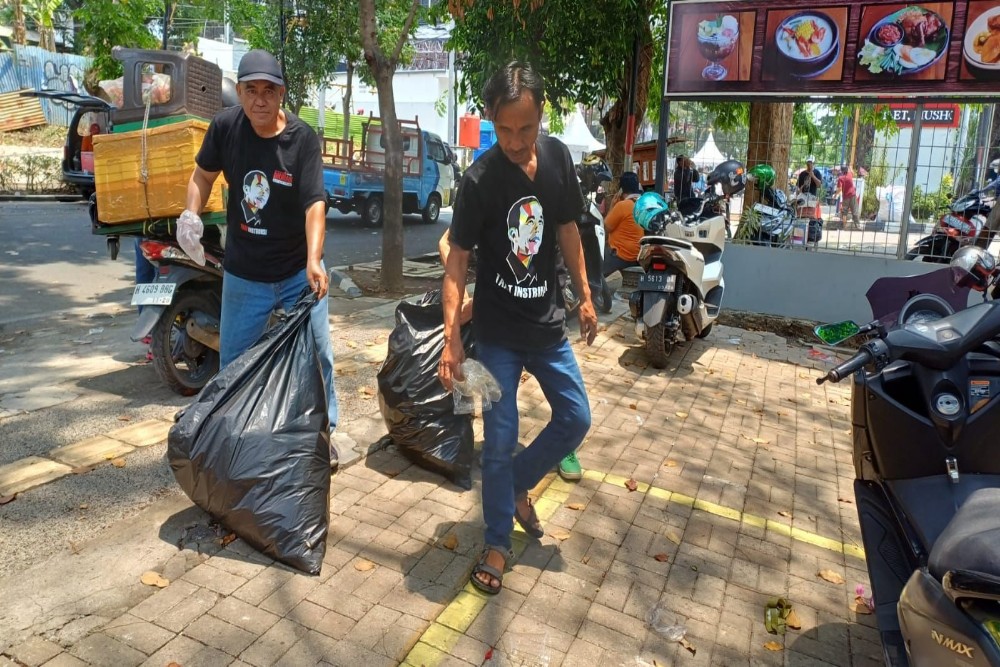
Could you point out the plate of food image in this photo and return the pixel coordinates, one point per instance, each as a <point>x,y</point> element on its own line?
<point>807,42</point>
<point>905,42</point>
<point>981,48</point>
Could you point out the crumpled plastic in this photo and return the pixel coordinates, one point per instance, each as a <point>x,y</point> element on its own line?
<point>189,231</point>
<point>479,384</point>
<point>658,618</point>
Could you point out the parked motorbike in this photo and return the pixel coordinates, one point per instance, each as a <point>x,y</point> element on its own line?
<point>963,223</point>
<point>927,479</point>
<point>180,312</point>
<point>776,217</point>
<point>680,291</point>
<point>592,172</point>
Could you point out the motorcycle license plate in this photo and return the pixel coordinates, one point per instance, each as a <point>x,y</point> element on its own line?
<point>657,282</point>
<point>153,294</point>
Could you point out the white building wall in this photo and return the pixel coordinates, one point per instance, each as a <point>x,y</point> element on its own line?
<point>935,159</point>
<point>416,94</point>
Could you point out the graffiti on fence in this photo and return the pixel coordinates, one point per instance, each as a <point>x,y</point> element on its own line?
<point>38,69</point>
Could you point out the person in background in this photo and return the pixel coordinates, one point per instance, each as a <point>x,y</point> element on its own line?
<point>808,184</point>
<point>849,194</point>
<point>684,175</point>
<point>624,234</point>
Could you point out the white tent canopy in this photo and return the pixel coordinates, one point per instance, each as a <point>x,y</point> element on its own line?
<point>577,136</point>
<point>708,156</point>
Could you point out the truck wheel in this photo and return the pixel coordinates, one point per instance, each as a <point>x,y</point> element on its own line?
<point>184,364</point>
<point>372,211</point>
<point>433,209</point>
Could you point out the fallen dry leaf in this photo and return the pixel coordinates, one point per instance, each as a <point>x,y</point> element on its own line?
<point>663,558</point>
<point>632,406</point>
<point>559,533</point>
<point>80,470</point>
<point>450,542</point>
<point>124,418</point>
<point>831,576</point>
<point>670,464</point>
<point>688,645</point>
<point>118,463</point>
<point>173,664</point>
<point>673,536</point>
<point>367,392</point>
<point>761,441</point>
<point>8,499</point>
<point>784,513</point>
<point>774,646</point>
<point>846,500</point>
<point>682,415</point>
<point>860,606</point>
<point>792,621</point>
<point>226,540</point>
<point>351,344</point>
<point>83,506</point>
<point>363,565</point>
<point>631,484</point>
<point>585,560</point>
<point>151,578</point>
<point>576,506</point>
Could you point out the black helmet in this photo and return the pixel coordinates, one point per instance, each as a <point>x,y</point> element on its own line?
<point>592,171</point>
<point>730,175</point>
<point>973,267</point>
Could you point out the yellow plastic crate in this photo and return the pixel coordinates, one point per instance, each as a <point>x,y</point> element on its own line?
<point>170,152</point>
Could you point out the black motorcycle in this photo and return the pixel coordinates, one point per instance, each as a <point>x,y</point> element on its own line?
<point>925,418</point>
<point>963,223</point>
<point>592,173</point>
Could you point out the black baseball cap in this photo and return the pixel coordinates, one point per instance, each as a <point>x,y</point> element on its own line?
<point>629,183</point>
<point>259,65</point>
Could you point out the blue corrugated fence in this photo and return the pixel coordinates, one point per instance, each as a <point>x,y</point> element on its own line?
<point>38,69</point>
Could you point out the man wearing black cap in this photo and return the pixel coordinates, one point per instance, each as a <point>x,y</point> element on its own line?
<point>276,213</point>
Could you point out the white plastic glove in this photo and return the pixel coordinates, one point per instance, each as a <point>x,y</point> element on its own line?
<point>189,231</point>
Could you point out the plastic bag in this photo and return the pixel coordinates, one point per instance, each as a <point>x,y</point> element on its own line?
<point>478,383</point>
<point>189,232</point>
<point>418,412</point>
<point>253,450</point>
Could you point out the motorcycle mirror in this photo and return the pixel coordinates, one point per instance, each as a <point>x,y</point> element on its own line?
<point>838,332</point>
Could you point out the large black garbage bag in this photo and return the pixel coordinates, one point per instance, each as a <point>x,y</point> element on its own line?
<point>253,450</point>
<point>418,412</point>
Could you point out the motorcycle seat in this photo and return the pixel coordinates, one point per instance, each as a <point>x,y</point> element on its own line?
<point>971,540</point>
<point>665,240</point>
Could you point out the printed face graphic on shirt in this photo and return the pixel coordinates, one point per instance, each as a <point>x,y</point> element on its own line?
<point>525,229</point>
<point>256,191</point>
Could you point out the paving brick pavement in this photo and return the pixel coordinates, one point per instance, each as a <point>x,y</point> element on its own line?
<point>742,476</point>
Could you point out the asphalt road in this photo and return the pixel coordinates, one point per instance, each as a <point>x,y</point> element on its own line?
<point>51,262</point>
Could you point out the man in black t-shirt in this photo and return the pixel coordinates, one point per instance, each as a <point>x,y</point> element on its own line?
<point>276,213</point>
<point>516,203</point>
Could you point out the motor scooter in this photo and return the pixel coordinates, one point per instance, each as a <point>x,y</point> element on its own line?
<point>180,312</point>
<point>592,172</point>
<point>964,223</point>
<point>924,415</point>
<point>679,295</point>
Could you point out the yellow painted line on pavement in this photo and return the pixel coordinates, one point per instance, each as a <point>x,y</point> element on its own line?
<point>436,643</point>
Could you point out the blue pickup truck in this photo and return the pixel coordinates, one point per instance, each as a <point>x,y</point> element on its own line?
<point>354,176</point>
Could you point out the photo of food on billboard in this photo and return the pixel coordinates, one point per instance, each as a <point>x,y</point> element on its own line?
<point>904,42</point>
<point>981,45</point>
<point>717,47</point>
<point>804,44</point>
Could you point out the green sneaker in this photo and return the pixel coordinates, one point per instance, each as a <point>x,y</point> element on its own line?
<point>569,468</point>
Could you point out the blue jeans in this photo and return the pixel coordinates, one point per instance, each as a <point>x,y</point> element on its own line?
<point>507,475</point>
<point>246,308</point>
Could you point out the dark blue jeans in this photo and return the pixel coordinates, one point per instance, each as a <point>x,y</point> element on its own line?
<point>507,475</point>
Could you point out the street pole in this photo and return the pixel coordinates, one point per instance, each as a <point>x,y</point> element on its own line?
<point>630,125</point>
<point>660,168</point>
<point>452,101</point>
<point>911,180</point>
<point>168,10</point>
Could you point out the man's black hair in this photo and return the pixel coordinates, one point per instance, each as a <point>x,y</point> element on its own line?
<point>509,83</point>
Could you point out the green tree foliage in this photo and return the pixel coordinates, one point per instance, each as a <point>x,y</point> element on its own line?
<point>109,23</point>
<point>318,37</point>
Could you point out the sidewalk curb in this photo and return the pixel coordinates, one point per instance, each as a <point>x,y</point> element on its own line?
<point>343,282</point>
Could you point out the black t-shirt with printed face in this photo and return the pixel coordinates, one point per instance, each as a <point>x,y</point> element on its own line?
<point>512,222</point>
<point>271,184</point>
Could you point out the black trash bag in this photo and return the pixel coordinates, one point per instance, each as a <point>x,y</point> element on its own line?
<point>253,450</point>
<point>418,412</point>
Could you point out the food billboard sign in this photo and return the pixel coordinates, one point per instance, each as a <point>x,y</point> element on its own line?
<point>853,49</point>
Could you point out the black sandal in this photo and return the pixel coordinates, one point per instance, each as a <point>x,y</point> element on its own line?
<point>483,568</point>
<point>531,525</point>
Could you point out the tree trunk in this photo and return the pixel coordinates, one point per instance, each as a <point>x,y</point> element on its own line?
<point>993,150</point>
<point>347,109</point>
<point>392,203</point>
<point>20,34</point>
<point>769,142</point>
<point>615,121</point>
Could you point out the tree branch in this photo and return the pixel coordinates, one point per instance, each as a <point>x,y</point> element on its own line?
<point>405,34</point>
<point>366,22</point>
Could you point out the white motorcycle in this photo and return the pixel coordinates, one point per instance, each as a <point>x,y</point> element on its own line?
<point>679,296</point>
<point>592,173</point>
